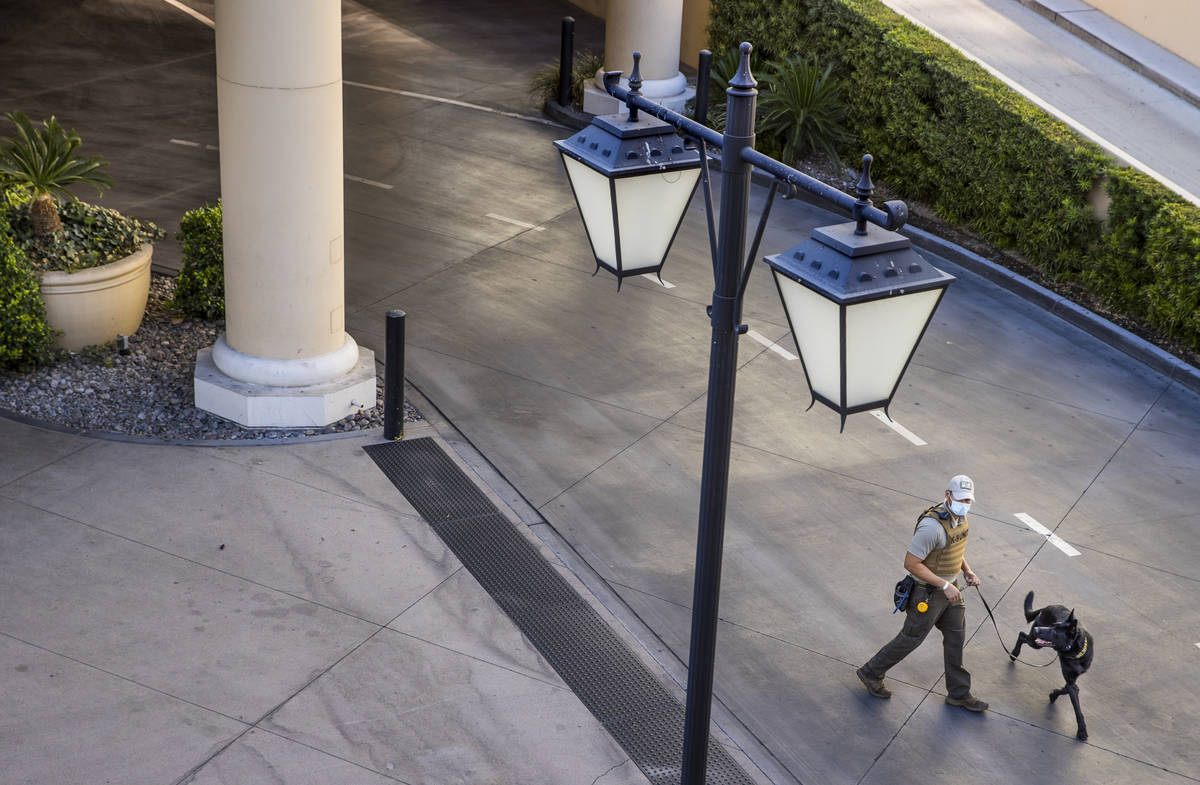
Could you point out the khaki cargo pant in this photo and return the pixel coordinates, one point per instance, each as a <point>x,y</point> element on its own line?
<point>951,619</point>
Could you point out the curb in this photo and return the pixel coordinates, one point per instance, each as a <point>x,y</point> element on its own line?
<point>568,116</point>
<point>1055,304</point>
<point>1111,49</point>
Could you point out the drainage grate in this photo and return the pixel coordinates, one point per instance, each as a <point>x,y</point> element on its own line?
<point>639,712</point>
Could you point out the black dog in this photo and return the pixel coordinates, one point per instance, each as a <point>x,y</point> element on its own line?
<point>1056,628</point>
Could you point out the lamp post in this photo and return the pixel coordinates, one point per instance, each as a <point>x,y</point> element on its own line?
<point>868,289</point>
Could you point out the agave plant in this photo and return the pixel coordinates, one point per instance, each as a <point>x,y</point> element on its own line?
<point>43,161</point>
<point>802,110</point>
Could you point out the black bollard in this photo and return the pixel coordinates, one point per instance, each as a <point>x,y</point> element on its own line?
<point>566,61</point>
<point>702,76</point>
<point>393,378</point>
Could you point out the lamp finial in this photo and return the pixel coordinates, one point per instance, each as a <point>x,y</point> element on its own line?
<point>743,79</point>
<point>863,191</point>
<point>635,85</point>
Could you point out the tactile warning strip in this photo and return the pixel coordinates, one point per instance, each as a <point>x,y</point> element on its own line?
<point>639,712</point>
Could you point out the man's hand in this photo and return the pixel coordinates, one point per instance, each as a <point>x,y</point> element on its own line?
<point>952,593</point>
<point>972,578</point>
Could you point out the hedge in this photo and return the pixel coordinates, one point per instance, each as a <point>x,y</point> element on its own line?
<point>945,132</point>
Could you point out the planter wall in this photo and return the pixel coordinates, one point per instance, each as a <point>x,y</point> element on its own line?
<point>96,305</point>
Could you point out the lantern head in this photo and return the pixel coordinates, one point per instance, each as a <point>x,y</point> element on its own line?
<point>632,181</point>
<point>857,305</point>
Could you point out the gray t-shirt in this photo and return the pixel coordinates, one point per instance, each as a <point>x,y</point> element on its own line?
<point>930,536</point>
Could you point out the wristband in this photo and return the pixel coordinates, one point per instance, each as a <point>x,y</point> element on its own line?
<point>946,586</point>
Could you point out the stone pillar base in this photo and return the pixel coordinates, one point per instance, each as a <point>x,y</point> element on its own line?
<point>671,93</point>
<point>263,406</point>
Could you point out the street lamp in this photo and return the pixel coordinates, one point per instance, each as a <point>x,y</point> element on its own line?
<point>857,301</point>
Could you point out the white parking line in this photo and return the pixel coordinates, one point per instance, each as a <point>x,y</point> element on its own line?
<point>772,345</point>
<point>898,428</point>
<point>364,180</point>
<point>191,12</point>
<point>1054,539</point>
<point>452,102</point>
<point>659,281</point>
<point>185,142</point>
<point>515,222</point>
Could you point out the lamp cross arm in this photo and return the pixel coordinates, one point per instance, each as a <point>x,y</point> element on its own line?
<point>681,123</point>
<point>893,215</point>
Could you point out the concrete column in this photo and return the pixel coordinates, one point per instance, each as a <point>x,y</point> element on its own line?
<point>653,28</point>
<point>285,359</point>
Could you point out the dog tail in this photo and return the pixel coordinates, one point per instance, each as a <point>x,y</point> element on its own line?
<point>1030,613</point>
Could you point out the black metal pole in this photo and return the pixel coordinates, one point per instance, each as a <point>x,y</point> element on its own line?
<point>566,61</point>
<point>393,378</point>
<point>718,427</point>
<point>703,77</point>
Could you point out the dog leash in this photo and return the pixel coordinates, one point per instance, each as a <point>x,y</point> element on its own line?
<point>1000,638</point>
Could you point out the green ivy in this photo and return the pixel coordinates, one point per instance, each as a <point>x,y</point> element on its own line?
<point>944,131</point>
<point>25,338</point>
<point>91,235</point>
<point>200,288</point>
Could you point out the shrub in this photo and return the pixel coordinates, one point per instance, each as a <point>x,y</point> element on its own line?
<point>90,235</point>
<point>544,85</point>
<point>1119,272</point>
<point>200,288</point>
<point>1173,254</point>
<point>24,336</point>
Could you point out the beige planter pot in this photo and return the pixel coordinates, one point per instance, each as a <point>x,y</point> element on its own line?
<point>96,305</point>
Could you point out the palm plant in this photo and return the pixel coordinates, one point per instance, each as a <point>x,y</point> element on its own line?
<point>42,160</point>
<point>802,110</point>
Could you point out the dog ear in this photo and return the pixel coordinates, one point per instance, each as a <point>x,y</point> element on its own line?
<point>1072,623</point>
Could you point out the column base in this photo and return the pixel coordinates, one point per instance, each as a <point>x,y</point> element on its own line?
<point>264,406</point>
<point>672,93</point>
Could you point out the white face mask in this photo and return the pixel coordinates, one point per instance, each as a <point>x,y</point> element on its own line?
<point>959,508</point>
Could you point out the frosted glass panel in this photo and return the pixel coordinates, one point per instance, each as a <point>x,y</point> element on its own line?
<point>649,209</point>
<point>595,205</point>
<point>817,333</point>
<point>879,337</point>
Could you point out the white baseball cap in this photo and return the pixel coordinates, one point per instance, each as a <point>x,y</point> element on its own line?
<point>961,487</point>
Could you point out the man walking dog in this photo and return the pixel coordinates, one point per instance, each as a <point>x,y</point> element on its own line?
<point>935,557</point>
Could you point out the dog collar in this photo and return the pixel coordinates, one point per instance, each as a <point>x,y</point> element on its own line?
<point>1083,650</point>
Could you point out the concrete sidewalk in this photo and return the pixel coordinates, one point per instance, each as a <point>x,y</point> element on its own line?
<point>247,615</point>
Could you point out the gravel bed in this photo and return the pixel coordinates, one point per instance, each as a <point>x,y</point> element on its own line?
<point>148,392</point>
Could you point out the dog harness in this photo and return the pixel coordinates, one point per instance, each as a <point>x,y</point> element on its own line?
<point>946,562</point>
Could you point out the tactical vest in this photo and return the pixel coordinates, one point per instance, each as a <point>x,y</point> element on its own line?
<point>946,562</point>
